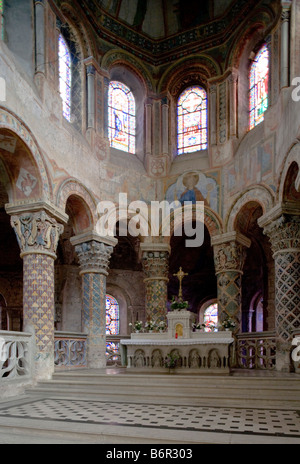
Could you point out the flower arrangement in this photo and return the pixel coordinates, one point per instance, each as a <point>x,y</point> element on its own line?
<point>150,326</point>
<point>137,326</point>
<point>161,326</point>
<point>228,323</point>
<point>178,304</point>
<point>171,360</point>
<point>198,326</point>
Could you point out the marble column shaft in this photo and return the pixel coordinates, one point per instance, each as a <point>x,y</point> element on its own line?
<point>38,234</point>
<point>284,234</point>
<point>94,262</point>
<point>230,254</point>
<point>156,268</point>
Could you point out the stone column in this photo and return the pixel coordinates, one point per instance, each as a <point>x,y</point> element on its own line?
<point>39,18</point>
<point>148,127</point>
<point>90,73</point>
<point>285,44</point>
<point>230,253</point>
<point>155,259</point>
<point>94,256</point>
<point>165,125</point>
<point>284,234</point>
<point>232,80</point>
<point>38,234</point>
<point>213,114</point>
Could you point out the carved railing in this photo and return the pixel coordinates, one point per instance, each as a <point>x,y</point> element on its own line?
<point>256,350</point>
<point>70,350</point>
<point>16,356</point>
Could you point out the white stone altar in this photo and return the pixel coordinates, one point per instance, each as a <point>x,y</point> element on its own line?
<point>198,352</point>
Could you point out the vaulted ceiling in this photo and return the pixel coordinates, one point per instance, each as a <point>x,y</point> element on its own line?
<point>163,18</point>
<point>160,31</point>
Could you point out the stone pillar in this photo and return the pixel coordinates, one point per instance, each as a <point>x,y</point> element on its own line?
<point>38,234</point>
<point>90,73</point>
<point>148,128</point>
<point>285,44</point>
<point>213,114</point>
<point>233,78</point>
<point>284,234</point>
<point>39,18</point>
<point>155,259</point>
<point>230,253</point>
<point>165,125</point>
<point>94,255</point>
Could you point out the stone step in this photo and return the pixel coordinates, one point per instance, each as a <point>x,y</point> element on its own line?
<point>184,390</point>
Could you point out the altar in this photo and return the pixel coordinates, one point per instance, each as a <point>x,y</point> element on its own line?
<point>192,352</point>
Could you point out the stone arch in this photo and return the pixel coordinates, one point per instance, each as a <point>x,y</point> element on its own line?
<point>293,158</point>
<point>259,194</point>
<point>81,30</point>
<point>212,221</point>
<point>186,72</point>
<point>117,214</point>
<point>254,32</point>
<point>26,174</point>
<point>81,203</point>
<point>122,59</point>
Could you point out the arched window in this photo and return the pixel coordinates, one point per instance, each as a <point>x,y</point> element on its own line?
<point>65,76</point>
<point>211,317</point>
<point>121,117</point>
<point>192,133</point>
<point>112,316</point>
<point>259,83</point>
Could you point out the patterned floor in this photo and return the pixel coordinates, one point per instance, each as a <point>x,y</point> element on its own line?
<point>279,423</point>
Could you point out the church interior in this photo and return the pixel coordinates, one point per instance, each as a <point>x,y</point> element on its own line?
<point>135,336</point>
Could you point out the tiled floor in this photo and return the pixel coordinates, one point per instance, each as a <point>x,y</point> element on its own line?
<point>276,423</point>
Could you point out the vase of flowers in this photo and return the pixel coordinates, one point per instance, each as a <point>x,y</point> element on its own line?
<point>198,327</point>
<point>228,324</point>
<point>150,326</point>
<point>171,362</point>
<point>162,325</point>
<point>137,326</point>
<point>178,304</point>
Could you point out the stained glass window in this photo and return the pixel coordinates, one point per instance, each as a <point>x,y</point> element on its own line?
<point>65,76</point>
<point>192,121</point>
<point>259,82</point>
<point>121,117</point>
<point>112,316</point>
<point>211,317</point>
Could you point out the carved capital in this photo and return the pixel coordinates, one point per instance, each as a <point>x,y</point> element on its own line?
<point>230,251</point>
<point>37,232</point>
<point>230,257</point>
<point>156,264</point>
<point>94,257</point>
<point>284,234</point>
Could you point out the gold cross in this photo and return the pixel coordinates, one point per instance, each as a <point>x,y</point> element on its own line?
<point>180,276</point>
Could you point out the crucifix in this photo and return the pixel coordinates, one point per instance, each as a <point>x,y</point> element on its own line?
<point>180,276</point>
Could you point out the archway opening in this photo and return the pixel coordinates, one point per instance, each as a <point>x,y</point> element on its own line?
<point>258,274</point>
<point>201,283</point>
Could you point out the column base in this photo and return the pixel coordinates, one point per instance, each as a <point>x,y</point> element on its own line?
<point>97,357</point>
<point>43,368</point>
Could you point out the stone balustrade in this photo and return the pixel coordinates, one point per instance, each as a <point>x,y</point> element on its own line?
<point>257,350</point>
<point>16,362</point>
<point>70,350</point>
